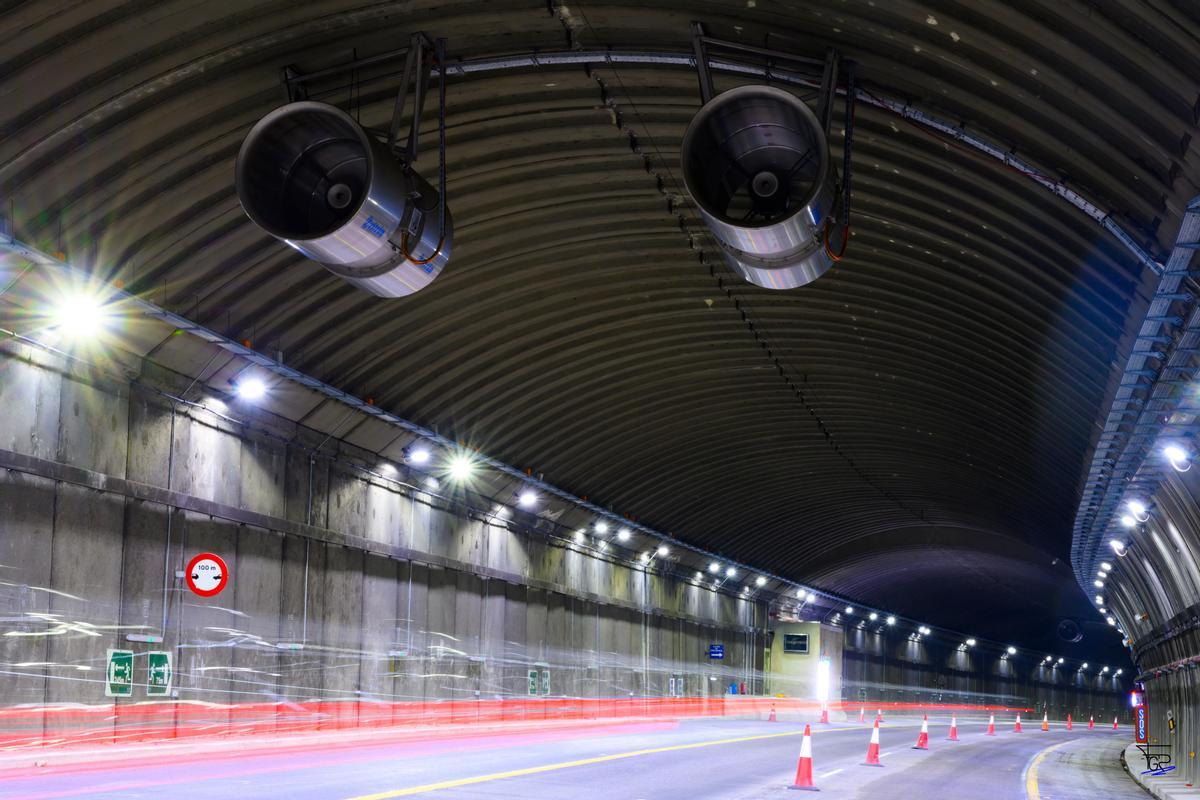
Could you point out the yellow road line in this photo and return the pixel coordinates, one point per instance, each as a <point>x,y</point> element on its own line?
<point>516,773</point>
<point>1031,780</point>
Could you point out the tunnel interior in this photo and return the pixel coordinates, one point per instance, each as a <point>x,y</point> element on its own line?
<point>790,361</point>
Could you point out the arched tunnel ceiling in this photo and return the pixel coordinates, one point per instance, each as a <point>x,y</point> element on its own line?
<point>947,374</point>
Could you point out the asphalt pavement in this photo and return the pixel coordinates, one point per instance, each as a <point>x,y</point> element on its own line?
<point>722,759</point>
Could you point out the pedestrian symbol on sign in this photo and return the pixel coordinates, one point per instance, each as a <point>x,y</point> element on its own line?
<point>119,676</point>
<point>158,674</point>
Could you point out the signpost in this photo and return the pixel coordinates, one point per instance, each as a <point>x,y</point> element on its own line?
<point>206,575</point>
<point>533,682</point>
<point>119,675</point>
<point>716,652</point>
<point>545,682</point>
<point>1140,725</point>
<point>158,673</point>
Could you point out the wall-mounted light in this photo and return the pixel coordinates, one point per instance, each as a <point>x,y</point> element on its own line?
<point>760,581</point>
<point>891,620</point>
<point>601,527</point>
<point>623,535</point>
<point>1178,457</point>
<point>527,499</point>
<point>1138,509</point>
<point>662,551</point>
<point>714,568</point>
<point>849,609</point>
<point>80,315</point>
<point>969,642</point>
<point>418,455</point>
<point>461,468</point>
<point>874,616</point>
<point>1012,651</point>
<point>1104,565</point>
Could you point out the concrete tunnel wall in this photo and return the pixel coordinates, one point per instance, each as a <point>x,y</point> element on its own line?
<point>1153,592</point>
<point>393,597</point>
<point>890,667</point>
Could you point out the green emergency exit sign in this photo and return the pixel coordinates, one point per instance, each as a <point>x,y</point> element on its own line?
<point>158,674</point>
<point>118,680</point>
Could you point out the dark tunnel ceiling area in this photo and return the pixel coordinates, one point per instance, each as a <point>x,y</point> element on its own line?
<point>914,431</point>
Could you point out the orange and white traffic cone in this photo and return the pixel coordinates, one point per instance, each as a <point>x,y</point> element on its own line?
<point>953,728</point>
<point>873,748</point>
<point>1017,727</point>
<point>824,714</point>
<point>991,731</point>
<point>862,714</point>
<point>923,736</point>
<point>772,717</point>
<point>1069,725</point>
<point>1046,721</point>
<point>1091,723</point>
<point>1115,724</point>
<point>804,767</point>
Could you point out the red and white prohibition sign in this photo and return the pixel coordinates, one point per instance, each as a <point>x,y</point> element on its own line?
<point>207,574</point>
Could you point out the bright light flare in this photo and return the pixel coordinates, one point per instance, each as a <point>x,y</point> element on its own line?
<point>1178,457</point>
<point>252,389</point>
<point>461,468</point>
<point>81,315</point>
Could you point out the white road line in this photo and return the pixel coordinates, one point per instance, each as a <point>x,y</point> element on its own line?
<point>831,772</point>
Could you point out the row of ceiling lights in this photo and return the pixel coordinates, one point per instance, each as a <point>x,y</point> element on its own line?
<point>84,315</point>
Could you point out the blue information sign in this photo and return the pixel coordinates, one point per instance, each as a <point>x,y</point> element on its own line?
<point>716,651</point>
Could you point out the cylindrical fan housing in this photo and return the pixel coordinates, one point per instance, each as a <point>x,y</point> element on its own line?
<point>756,162</point>
<point>309,175</point>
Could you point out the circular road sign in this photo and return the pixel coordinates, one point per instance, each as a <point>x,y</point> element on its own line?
<point>207,574</point>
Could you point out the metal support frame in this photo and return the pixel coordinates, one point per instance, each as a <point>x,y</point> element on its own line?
<point>1119,463</point>
<point>422,56</point>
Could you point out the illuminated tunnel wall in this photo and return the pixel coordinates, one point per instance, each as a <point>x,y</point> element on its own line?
<point>890,666</point>
<point>353,600</point>
<point>385,598</point>
<point>1154,594</point>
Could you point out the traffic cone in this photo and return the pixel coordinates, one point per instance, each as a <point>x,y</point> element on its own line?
<point>824,714</point>
<point>1069,726</point>
<point>873,748</point>
<point>1091,723</point>
<point>1115,724</point>
<point>923,736</point>
<point>1046,721</point>
<point>1017,727</point>
<point>862,714</point>
<point>804,767</point>
<point>772,717</point>
<point>991,731</point>
<point>953,728</point>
